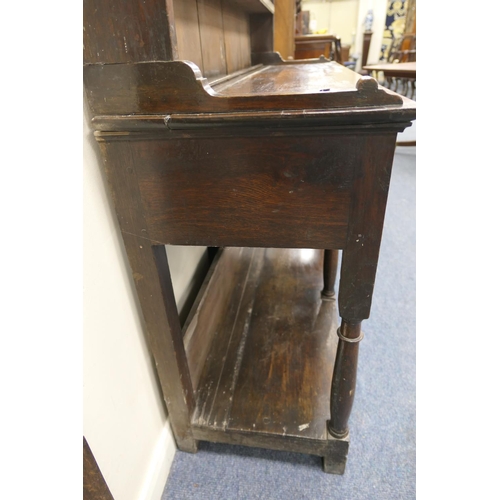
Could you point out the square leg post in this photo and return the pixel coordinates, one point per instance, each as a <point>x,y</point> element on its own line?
<point>151,274</point>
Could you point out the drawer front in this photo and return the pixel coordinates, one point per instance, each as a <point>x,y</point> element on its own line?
<point>282,192</point>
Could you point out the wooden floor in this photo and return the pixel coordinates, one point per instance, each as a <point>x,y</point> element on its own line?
<point>271,352</point>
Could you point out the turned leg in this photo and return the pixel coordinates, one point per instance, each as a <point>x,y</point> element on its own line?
<point>330,265</point>
<point>405,86</point>
<point>344,378</point>
<point>342,396</point>
<point>357,278</point>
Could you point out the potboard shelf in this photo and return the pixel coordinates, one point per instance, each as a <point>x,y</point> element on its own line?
<point>270,344</point>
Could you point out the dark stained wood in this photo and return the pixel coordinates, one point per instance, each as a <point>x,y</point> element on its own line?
<point>222,81</point>
<point>151,276</point>
<point>367,38</point>
<point>236,37</point>
<point>328,447</point>
<point>261,33</point>
<point>265,381</point>
<point>274,58</point>
<point>94,485</point>
<point>344,379</point>
<point>359,265</point>
<point>178,86</point>
<point>264,161</point>
<point>115,31</point>
<point>285,370</point>
<point>330,265</point>
<point>222,367</point>
<point>192,190</point>
<point>269,369</point>
<point>250,124</point>
<point>369,198</point>
<point>294,79</point>
<point>213,49</point>
<point>209,308</point>
<point>334,461</point>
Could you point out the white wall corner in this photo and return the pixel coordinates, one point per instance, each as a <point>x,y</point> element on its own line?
<point>159,466</point>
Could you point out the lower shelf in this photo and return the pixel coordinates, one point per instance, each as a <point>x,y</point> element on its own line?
<point>261,347</point>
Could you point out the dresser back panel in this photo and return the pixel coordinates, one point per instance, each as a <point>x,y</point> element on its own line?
<point>118,31</point>
<point>214,34</point>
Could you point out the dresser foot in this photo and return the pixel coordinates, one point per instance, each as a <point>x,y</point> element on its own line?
<point>188,446</point>
<point>335,460</point>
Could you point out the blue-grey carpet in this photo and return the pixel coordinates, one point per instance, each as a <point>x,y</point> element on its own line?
<point>381,460</point>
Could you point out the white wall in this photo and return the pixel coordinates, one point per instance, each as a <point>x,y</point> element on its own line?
<point>124,418</point>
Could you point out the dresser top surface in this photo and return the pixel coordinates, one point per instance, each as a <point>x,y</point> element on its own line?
<point>291,79</point>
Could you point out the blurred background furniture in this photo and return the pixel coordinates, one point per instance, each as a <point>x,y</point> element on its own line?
<point>311,45</point>
<point>367,38</point>
<point>401,73</point>
<point>403,49</point>
<point>314,46</point>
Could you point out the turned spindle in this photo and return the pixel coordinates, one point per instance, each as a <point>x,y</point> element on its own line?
<point>330,265</point>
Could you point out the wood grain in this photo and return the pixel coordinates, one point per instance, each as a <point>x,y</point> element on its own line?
<point>255,123</point>
<point>366,220</point>
<point>236,191</point>
<point>188,31</point>
<point>116,32</point>
<point>270,366</point>
<point>208,310</point>
<point>334,448</point>
<point>179,86</point>
<point>276,164</point>
<point>213,49</point>
<point>236,37</point>
<point>261,33</point>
